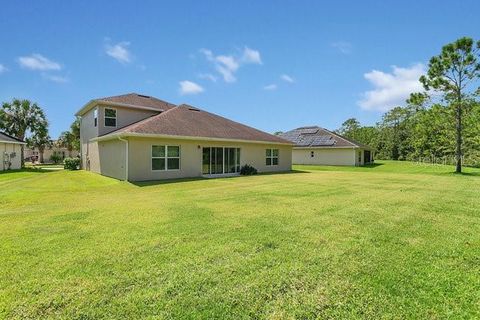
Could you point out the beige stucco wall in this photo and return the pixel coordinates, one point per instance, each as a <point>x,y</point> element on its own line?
<point>107,158</point>
<point>28,153</point>
<point>87,132</point>
<point>10,148</point>
<point>191,157</point>
<point>125,116</point>
<point>336,157</point>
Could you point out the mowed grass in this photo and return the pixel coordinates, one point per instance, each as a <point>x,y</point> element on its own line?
<point>396,240</point>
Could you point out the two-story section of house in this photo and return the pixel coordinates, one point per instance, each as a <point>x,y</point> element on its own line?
<point>137,137</point>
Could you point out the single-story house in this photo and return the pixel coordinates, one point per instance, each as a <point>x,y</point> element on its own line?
<point>137,137</point>
<point>10,152</point>
<point>33,154</point>
<point>318,146</point>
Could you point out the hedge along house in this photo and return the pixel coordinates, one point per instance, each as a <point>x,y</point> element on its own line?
<point>318,146</point>
<point>10,152</point>
<point>136,137</point>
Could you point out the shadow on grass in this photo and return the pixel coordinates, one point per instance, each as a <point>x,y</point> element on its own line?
<point>372,165</point>
<point>467,174</point>
<point>183,180</point>
<point>32,170</point>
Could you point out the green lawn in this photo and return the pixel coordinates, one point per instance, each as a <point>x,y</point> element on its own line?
<point>396,240</point>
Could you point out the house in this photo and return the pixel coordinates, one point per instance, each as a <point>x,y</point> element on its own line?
<point>317,146</point>
<point>33,154</point>
<point>137,137</point>
<point>10,152</point>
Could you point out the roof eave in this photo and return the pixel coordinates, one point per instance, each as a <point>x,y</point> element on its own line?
<point>93,103</point>
<point>166,136</point>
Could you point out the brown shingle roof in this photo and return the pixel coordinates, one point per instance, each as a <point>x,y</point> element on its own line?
<point>188,121</point>
<point>132,100</point>
<point>7,138</point>
<point>315,136</point>
<point>135,99</point>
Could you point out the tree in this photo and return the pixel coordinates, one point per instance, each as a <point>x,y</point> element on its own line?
<point>452,74</point>
<point>67,140</point>
<point>40,140</point>
<point>75,130</point>
<point>349,128</point>
<point>21,117</point>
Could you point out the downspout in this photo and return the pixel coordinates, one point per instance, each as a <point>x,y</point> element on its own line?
<point>126,156</point>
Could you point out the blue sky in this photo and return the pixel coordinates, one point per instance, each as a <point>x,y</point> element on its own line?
<point>274,65</point>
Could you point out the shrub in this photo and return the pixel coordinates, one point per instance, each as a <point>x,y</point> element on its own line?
<point>55,158</point>
<point>71,163</point>
<point>247,170</point>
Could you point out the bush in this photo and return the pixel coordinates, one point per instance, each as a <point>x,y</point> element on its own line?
<point>247,170</point>
<point>71,163</point>
<point>55,158</point>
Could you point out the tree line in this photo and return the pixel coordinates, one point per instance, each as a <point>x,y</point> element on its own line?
<point>27,121</point>
<point>440,124</point>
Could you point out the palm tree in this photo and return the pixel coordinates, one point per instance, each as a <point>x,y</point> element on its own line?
<point>40,140</point>
<point>20,117</point>
<point>67,140</point>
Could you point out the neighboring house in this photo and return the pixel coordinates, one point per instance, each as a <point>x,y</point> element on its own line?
<point>318,146</point>
<point>10,152</point>
<point>136,137</point>
<point>33,155</point>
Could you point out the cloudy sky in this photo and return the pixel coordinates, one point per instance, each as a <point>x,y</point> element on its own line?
<point>275,65</point>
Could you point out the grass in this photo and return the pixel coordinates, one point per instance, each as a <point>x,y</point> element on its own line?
<point>396,240</point>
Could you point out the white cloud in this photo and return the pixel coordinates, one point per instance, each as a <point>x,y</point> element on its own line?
<point>343,46</point>
<point>251,56</point>
<point>270,87</point>
<point>3,68</point>
<point>391,89</point>
<point>208,76</point>
<point>287,78</point>
<point>36,61</point>
<point>189,87</point>
<point>119,51</point>
<point>55,78</point>
<point>228,65</point>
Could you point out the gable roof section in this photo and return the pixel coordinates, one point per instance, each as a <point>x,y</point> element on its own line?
<point>189,122</point>
<point>317,137</point>
<point>5,138</point>
<point>130,100</point>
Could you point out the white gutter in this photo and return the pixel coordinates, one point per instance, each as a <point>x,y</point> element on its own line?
<point>126,156</point>
<point>166,136</point>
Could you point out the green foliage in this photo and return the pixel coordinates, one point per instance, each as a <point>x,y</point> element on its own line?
<point>442,127</point>
<point>71,163</point>
<point>21,117</point>
<point>55,158</point>
<point>248,170</point>
<point>454,74</point>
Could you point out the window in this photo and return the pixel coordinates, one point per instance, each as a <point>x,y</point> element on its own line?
<point>165,158</point>
<point>272,157</point>
<point>95,117</point>
<point>360,156</point>
<point>110,117</point>
<point>312,154</point>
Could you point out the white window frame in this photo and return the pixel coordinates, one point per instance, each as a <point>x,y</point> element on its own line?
<point>105,117</point>
<point>95,117</point>
<point>166,157</point>
<point>271,157</point>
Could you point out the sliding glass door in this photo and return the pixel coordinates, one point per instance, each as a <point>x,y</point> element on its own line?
<point>220,160</point>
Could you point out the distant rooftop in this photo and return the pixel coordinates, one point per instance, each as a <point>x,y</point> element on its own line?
<point>315,136</point>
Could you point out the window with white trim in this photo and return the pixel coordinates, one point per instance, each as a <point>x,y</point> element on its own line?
<point>165,158</point>
<point>110,117</point>
<point>95,117</point>
<point>271,157</point>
